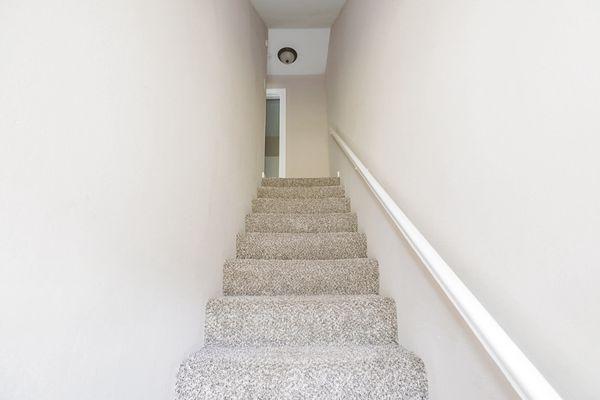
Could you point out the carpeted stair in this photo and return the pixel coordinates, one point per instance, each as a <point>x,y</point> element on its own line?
<point>279,205</point>
<point>301,317</point>
<point>301,246</point>
<point>301,223</point>
<point>248,277</point>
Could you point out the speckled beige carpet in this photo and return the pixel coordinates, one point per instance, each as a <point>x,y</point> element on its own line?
<point>301,317</point>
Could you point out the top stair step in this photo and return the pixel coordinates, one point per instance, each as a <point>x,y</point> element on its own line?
<point>287,182</point>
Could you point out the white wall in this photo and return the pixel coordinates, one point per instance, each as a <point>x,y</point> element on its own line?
<point>481,120</point>
<point>457,367</point>
<point>124,176</point>
<point>306,127</point>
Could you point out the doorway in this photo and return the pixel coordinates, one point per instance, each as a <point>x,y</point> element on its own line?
<point>275,134</point>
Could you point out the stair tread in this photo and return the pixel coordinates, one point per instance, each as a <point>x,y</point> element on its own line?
<point>322,235</point>
<point>307,372</point>
<point>300,320</point>
<point>301,223</point>
<point>301,206</point>
<point>323,181</point>
<point>300,192</point>
<point>300,277</point>
<point>329,245</point>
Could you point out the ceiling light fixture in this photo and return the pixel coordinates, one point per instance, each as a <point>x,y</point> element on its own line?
<point>287,55</point>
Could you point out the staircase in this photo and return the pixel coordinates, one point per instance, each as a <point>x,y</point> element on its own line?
<point>301,317</point>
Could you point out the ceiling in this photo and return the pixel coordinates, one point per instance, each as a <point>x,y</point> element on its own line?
<point>311,44</point>
<point>298,13</point>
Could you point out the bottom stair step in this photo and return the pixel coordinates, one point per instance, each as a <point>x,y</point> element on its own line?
<point>330,372</point>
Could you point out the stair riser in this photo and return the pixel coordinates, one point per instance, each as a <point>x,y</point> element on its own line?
<point>291,182</point>
<point>301,223</point>
<point>301,206</point>
<point>295,277</point>
<point>277,321</point>
<point>299,192</point>
<point>324,246</point>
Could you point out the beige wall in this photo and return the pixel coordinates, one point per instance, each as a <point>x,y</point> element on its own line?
<point>124,176</point>
<point>481,120</point>
<point>306,141</point>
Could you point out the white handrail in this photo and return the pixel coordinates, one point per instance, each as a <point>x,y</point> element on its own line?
<point>527,381</point>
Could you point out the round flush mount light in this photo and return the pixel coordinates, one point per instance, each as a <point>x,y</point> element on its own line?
<point>287,55</point>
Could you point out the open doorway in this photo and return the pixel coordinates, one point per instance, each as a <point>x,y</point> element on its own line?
<point>275,134</point>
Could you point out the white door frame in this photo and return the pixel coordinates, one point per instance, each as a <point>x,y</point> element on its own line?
<point>280,95</point>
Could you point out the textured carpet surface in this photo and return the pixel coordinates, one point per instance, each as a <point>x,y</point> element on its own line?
<point>300,277</point>
<point>301,317</point>
<point>301,223</point>
<point>301,206</point>
<point>289,246</point>
<point>328,181</point>
<point>265,320</point>
<point>300,192</point>
<point>303,373</point>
